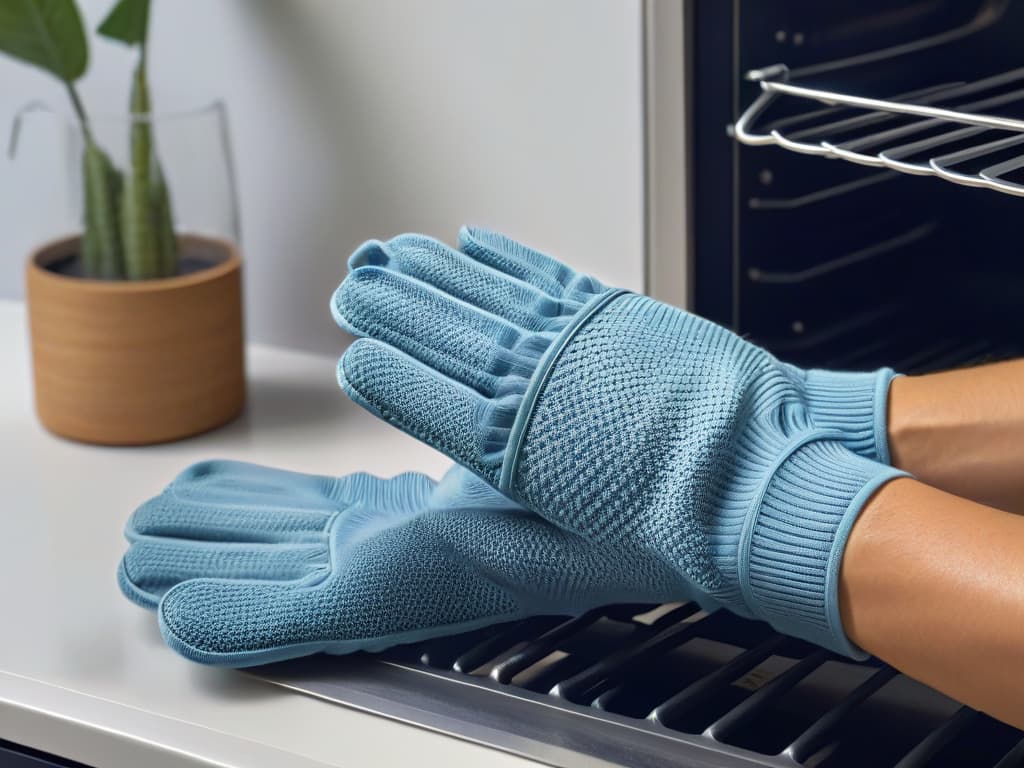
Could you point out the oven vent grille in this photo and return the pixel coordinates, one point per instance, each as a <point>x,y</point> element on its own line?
<point>726,682</point>
<point>949,131</point>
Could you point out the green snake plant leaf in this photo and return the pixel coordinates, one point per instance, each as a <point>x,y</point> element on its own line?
<point>127,22</point>
<point>46,33</point>
<point>147,229</point>
<point>141,258</point>
<point>101,243</point>
<point>163,221</point>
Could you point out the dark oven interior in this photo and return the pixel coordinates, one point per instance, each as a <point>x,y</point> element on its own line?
<point>835,264</point>
<point>828,263</point>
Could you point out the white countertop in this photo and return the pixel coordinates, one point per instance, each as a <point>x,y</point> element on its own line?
<point>83,672</point>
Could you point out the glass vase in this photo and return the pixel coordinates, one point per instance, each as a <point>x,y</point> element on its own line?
<point>191,148</point>
<point>139,341</point>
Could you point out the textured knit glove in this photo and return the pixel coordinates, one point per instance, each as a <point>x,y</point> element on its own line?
<point>248,565</point>
<point>623,420</point>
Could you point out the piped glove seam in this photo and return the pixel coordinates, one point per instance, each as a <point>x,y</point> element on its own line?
<point>547,363</point>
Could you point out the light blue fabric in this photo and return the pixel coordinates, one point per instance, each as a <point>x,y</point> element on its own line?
<point>248,564</point>
<point>853,404</point>
<point>619,419</point>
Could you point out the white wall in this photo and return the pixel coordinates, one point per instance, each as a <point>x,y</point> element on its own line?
<point>365,118</point>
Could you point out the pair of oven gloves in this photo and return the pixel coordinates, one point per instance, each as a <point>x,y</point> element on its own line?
<point>613,449</point>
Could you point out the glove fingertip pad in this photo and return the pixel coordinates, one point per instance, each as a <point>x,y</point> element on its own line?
<point>370,253</point>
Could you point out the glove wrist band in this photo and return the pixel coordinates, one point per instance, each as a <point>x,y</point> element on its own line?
<point>793,544</point>
<point>855,404</point>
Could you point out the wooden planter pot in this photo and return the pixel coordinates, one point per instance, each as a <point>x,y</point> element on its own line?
<point>131,363</point>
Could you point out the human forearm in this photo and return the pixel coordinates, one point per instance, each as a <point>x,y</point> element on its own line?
<point>963,431</point>
<point>934,585</point>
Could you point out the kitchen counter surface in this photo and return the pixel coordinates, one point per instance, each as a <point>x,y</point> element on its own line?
<point>84,673</point>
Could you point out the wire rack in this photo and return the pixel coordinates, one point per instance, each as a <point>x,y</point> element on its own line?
<point>656,686</point>
<point>947,130</point>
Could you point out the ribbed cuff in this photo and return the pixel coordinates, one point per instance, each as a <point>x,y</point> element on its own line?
<point>789,564</point>
<point>855,404</point>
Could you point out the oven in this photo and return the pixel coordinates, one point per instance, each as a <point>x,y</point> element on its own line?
<point>837,181</point>
<point>848,237</point>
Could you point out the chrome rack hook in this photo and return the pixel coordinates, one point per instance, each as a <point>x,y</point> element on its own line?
<point>773,72</point>
<point>740,129</point>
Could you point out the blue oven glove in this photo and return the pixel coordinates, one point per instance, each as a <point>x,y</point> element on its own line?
<point>248,565</point>
<point>854,404</point>
<point>618,418</point>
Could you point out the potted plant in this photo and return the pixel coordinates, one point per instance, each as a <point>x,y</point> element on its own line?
<point>136,327</point>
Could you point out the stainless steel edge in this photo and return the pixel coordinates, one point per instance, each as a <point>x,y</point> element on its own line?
<point>667,139</point>
<point>103,733</point>
<point>509,719</point>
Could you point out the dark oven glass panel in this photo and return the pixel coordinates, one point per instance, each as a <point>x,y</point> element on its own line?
<point>839,265</point>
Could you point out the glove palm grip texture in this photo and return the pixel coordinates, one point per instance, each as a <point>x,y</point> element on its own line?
<point>632,424</point>
<point>249,565</point>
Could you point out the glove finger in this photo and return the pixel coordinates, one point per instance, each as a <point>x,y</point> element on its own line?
<point>460,341</point>
<point>449,416</point>
<point>402,583</point>
<point>439,573</point>
<point>538,269</point>
<point>239,623</point>
<point>238,483</point>
<point>152,566</point>
<point>261,519</point>
<point>454,273</point>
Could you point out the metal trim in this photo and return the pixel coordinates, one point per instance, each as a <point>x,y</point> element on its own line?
<point>668,239</point>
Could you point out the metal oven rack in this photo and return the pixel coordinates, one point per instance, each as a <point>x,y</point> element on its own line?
<point>947,131</point>
<point>659,686</point>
